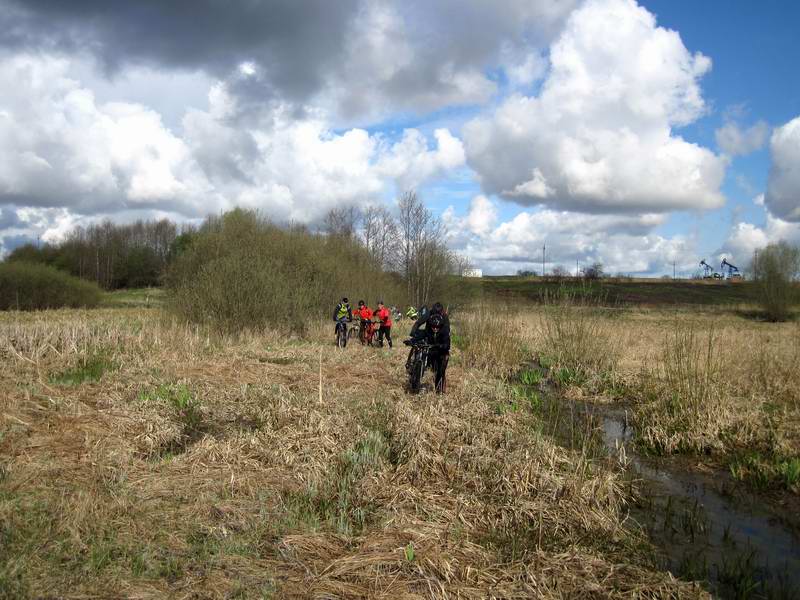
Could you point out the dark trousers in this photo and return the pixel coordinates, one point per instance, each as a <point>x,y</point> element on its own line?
<point>438,363</point>
<point>385,331</point>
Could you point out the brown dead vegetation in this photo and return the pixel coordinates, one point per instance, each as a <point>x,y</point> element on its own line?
<point>200,466</point>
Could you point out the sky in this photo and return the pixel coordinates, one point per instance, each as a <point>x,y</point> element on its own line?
<point>642,135</point>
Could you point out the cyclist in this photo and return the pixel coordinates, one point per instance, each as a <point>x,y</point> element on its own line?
<point>342,314</point>
<point>418,334</point>
<point>385,318</point>
<point>411,313</point>
<point>364,314</point>
<point>437,333</point>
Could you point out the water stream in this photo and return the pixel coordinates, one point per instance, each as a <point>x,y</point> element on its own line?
<point>706,527</point>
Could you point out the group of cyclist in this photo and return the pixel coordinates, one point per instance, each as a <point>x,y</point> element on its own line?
<point>431,326</point>
<point>367,328</point>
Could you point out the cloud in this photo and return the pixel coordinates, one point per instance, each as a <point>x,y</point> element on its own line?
<point>624,244</point>
<point>62,148</point>
<point>745,238</point>
<point>358,58</point>
<point>410,161</point>
<point>296,41</point>
<point>599,136</point>
<point>24,225</point>
<point>783,187</point>
<point>735,141</point>
<point>8,218</point>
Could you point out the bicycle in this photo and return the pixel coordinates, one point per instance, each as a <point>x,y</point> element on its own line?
<point>418,363</point>
<point>367,331</point>
<point>341,333</point>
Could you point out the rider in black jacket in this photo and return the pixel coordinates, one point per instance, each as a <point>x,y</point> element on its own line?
<point>436,332</point>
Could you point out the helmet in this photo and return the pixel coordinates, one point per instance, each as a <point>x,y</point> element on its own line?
<point>361,303</point>
<point>435,321</point>
<point>437,308</point>
<point>344,300</point>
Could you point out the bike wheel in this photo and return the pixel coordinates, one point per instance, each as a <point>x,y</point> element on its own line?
<point>341,337</point>
<point>415,375</point>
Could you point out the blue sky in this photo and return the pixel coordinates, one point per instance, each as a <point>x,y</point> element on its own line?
<point>755,48</point>
<point>588,125</point>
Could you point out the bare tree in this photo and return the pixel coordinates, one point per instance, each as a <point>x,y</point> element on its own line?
<point>424,258</point>
<point>594,271</point>
<point>342,221</point>
<point>461,264</point>
<point>380,236</point>
<point>560,272</point>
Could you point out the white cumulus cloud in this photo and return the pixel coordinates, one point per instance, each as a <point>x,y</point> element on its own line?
<point>783,187</point>
<point>622,243</point>
<point>735,141</point>
<point>62,148</point>
<point>600,136</point>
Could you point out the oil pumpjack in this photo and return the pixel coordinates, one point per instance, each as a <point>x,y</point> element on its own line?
<point>732,270</point>
<point>708,270</point>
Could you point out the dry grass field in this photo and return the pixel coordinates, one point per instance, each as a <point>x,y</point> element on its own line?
<point>144,459</point>
<point>711,384</point>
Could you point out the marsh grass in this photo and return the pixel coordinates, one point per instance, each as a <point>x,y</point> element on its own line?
<point>337,485</point>
<point>578,343</point>
<point>684,395</point>
<point>334,502</point>
<point>720,393</point>
<point>90,368</point>
<point>490,338</point>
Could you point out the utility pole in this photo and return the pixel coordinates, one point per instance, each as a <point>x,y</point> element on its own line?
<point>576,267</point>
<point>755,264</point>
<point>673,269</point>
<point>544,245</point>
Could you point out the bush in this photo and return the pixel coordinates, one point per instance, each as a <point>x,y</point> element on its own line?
<point>240,271</point>
<point>776,268</point>
<point>29,286</point>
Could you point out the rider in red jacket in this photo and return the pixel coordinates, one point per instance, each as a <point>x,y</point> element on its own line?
<point>385,317</point>
<point>364,314</point>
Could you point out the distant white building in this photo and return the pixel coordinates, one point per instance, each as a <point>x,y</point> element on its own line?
<point>473,273</point>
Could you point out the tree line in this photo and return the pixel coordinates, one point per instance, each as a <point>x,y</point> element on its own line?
<point>409,243</point>
<point>112,256</point>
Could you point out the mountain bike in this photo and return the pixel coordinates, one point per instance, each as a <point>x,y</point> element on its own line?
<point>352,333</point>
<point>341,333</point>
<point>367,332</point>
<point>418,363</point>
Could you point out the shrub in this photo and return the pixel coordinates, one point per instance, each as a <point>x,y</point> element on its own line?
<point>29,286</point>
<point>240,271</point>
<point>776,268</point>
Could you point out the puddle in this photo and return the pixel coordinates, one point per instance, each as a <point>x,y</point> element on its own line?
<point>706,528</point>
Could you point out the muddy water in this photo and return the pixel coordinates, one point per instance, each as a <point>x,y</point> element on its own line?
<point>705,527</point>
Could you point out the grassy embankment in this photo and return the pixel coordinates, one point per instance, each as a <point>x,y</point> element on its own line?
<point>705,375</point>
<point>142,458</point>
